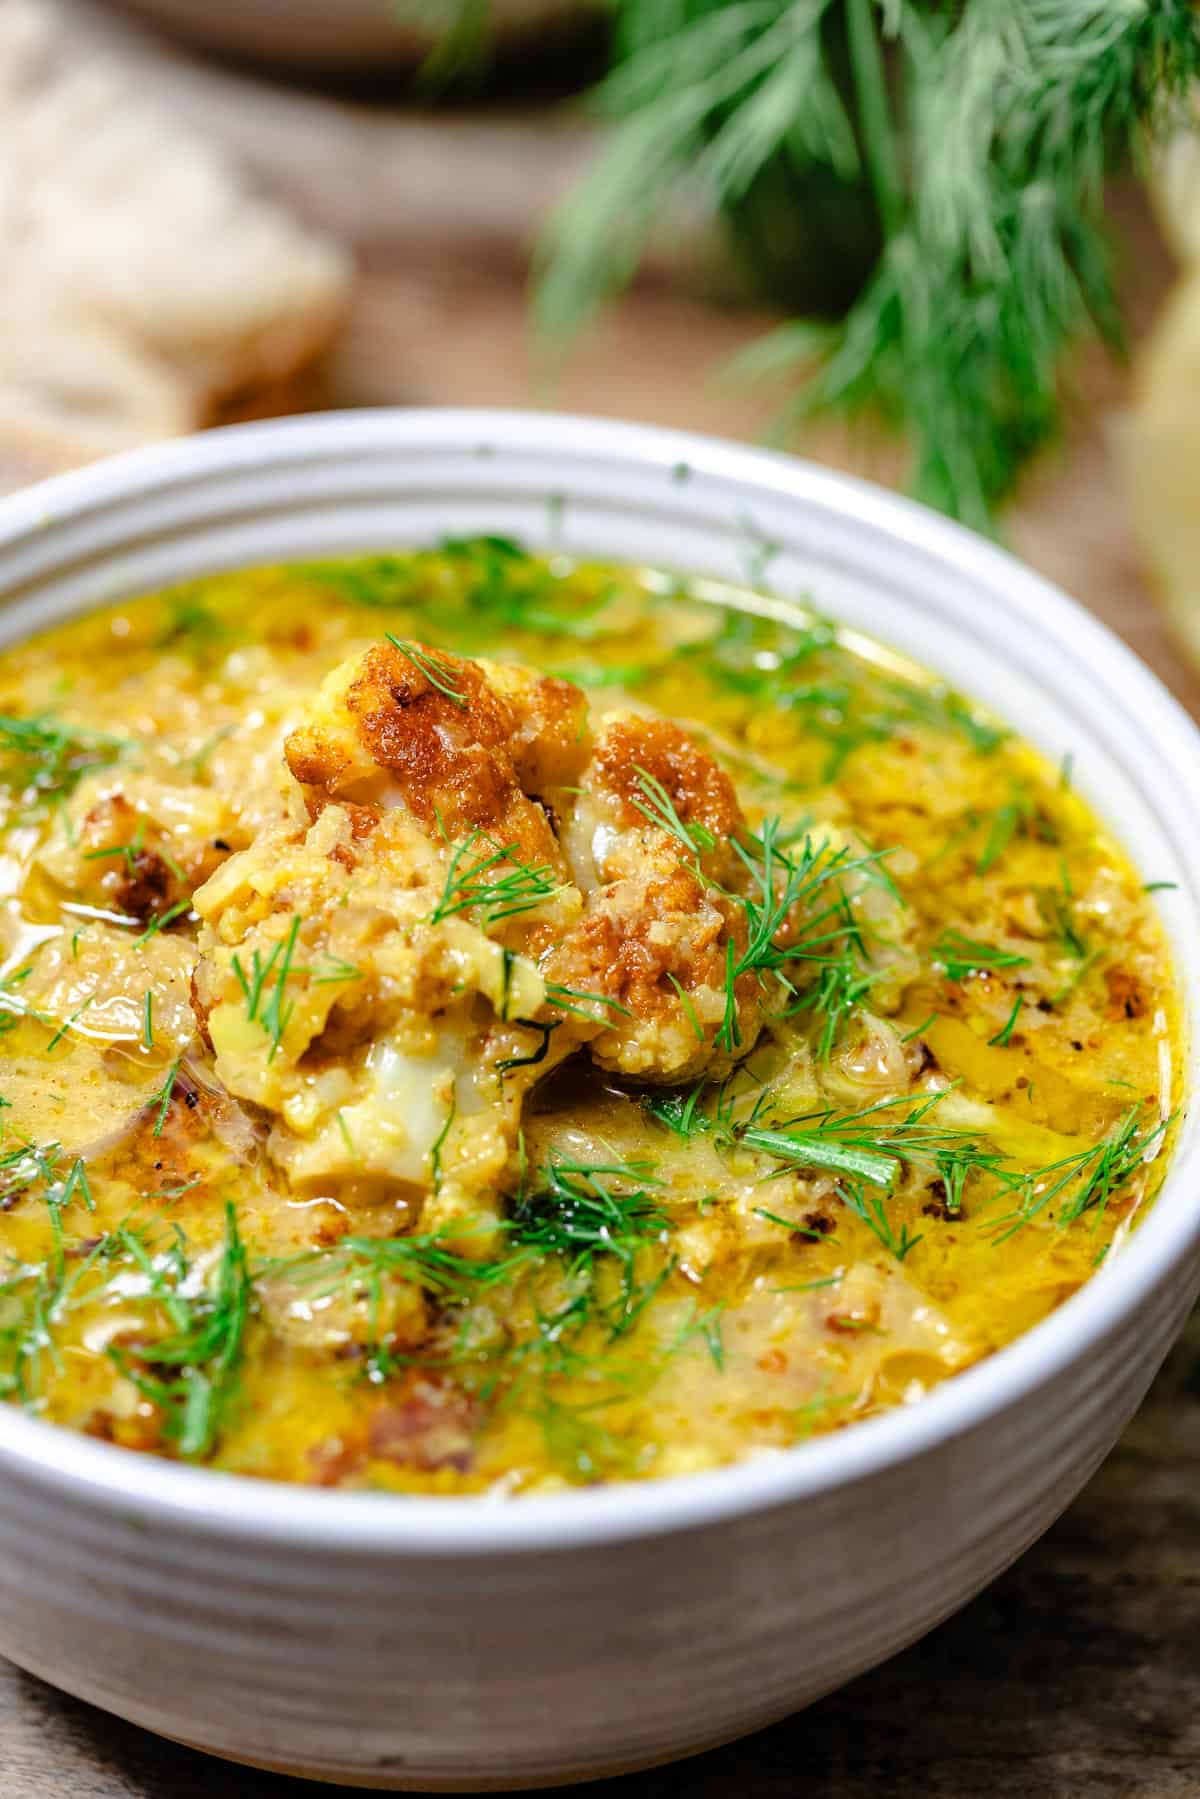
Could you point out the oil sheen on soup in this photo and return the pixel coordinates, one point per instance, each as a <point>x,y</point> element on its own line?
<point>471,1021</point>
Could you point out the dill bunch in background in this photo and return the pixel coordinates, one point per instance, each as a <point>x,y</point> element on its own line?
<point>942,165</point>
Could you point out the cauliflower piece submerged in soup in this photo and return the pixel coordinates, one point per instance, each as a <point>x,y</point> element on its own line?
<point>475,1022</point>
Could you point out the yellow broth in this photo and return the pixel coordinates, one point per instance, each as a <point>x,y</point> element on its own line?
<point>946,1097</point>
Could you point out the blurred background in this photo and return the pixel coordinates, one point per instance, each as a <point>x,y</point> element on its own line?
<point>956,260</point>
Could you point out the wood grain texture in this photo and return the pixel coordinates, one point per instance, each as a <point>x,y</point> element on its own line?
<point>1077,1676</point>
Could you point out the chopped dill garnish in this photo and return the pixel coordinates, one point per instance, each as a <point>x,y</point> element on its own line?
<point>192,1373</point>
<point>1004,1035</point>
<point>1060,912</point>
<point>65,1026</point>
<point>576,1000</point>
<point>439,674</point>
<point>871,1208</point>
<point>128,852</point>
<point>1089,1178</point>
<point>192,624</point>
<point>688,1007</point>
<point>498,884</point>
<point>545,1031</point>
<point>42,759</point>
<point>814,1149</point>
<point>439,1144</point>
<point>426,1257</point>
<point>277,1011</point>
<point>582,1209</point>
<point>1005,823</point>
<point>148,1019</point>
<point>708,1327</point>
<point>334,971</point>
<point>163,1096</point>
<point>656,804</point>
<point>962,956</point>
<point>942,710</point>
<point>347,1139</point>
<point>804,884</point>
<point>606,674</point>
<point>161,920</point>
<point>264,984</point>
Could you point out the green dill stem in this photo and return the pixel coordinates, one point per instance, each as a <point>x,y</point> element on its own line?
<point>276,1015</point>
<point>162,920</point>
<point>439,674</point>
<point>656,805</point>
<point>962,956</point>
<point>575,1000</point>
<point>435,1154</point>
<point>163,1096</point>
<point>870,1208</point>
<point>1004,1034</point>
<point>870,80</point>
<point>819,1152</point>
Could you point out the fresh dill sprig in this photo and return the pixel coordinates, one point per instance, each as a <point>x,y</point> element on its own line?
<point>497,884</point>
<point>438,673</point>
<point>439,1144</point>
<point>162,1099</point>
<point>578,1000</point>
<point>801,889</point>
<point>961,151</point>
<point>817,1149</point>
<point>505,589</point>
<point>161,920</point>
<point>42,759</point>
<point>427,1258</point>
<point>264,983</point>
<point>655,804</point>
<point>960,956</point>
<point>496,587</point>
<point>872,1209</point>
<point>583,1209</point>
<point>192,1372</point>
<point>1003,1036</point>
<point>33,1298</point>
<point>1005,823</point>
<point>1087,1180</point>
<point>191,623</point>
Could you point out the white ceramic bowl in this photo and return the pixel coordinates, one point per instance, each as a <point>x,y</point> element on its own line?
<point>470,1644</point>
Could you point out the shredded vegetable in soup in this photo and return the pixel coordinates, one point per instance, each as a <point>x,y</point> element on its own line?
<point>471,1021</point>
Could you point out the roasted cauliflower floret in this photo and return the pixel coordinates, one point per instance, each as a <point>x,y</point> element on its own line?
<point>650,842</point>
<point>467,889</point>
<point>137,845</point>
<point>369,969</point>
<point>463,746</point>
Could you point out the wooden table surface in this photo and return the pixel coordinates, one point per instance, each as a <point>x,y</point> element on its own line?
<point>1077,1673</point>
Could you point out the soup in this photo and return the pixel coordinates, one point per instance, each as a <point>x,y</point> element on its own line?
<point>472,1021</point>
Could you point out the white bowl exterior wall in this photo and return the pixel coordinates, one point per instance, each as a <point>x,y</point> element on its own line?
<point>464,1644</point>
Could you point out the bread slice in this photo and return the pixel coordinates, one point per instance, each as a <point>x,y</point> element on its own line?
<point>147,288</point>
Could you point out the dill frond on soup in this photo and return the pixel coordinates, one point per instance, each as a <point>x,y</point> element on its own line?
<point>473,1021</point>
